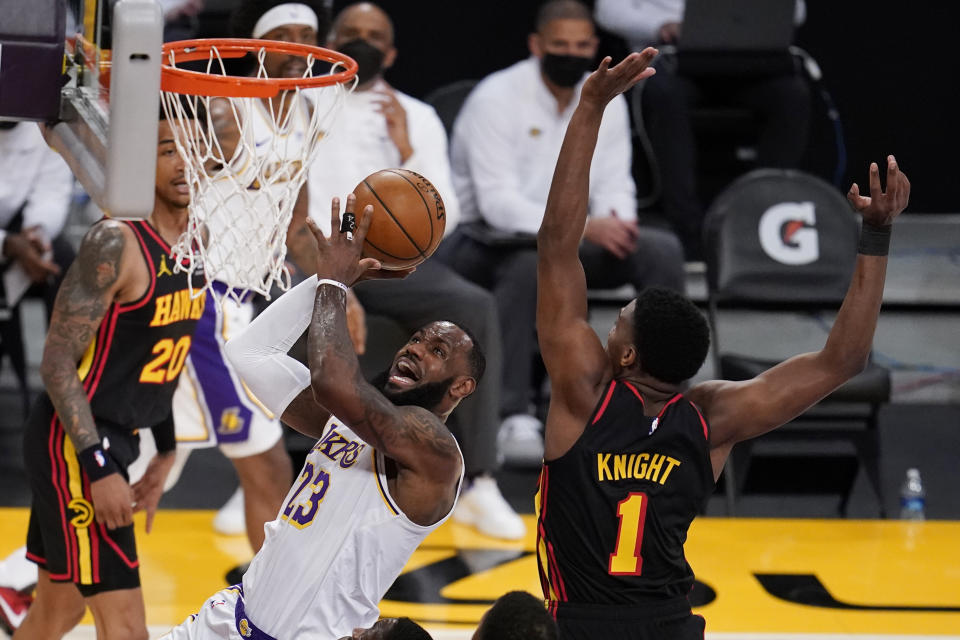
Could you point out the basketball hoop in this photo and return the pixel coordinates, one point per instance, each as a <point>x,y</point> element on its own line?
<point>248,142</point>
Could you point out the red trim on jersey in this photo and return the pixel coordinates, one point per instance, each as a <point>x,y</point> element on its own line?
<point>544,579</point>
<point>145,298</point>
<point>606,401</point>
<point>562,592</point>
<point>635,392</point>
<point>554,581</point>
<point>669,402</point>
<point>34,557</point>
<point>108,340</point>
<point>56,468</point>
<point>106,536</point>
<point>706,431</point>
<point>156,236</point>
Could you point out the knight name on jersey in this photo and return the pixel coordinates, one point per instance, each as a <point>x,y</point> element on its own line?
<point>635,466</point>
<point>177,306</point>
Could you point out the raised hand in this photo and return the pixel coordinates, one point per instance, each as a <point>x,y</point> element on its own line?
<point>881,207</point>
<point>396,118</point>
<point>339,256</point>
<point>607,82</point>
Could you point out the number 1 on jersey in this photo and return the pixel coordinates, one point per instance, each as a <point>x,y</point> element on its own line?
<point>626,560</point>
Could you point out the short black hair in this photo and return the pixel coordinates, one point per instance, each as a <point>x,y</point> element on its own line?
<point>407,629</point>
<point>475,358</point>
<point>561,10</point>
<point>671,335</point>
<point>244,17</point>
<point>518,616</point>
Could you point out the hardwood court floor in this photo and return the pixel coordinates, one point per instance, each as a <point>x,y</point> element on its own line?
<point>759,578</point>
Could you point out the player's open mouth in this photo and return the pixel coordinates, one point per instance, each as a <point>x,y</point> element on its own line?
<point>404,373</point>
<point>182,186</point>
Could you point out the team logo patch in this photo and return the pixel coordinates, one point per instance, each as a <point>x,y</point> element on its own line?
<point>84,513</point>
<point>788,233</point>
<point>244,628</point>
<point>230,421</point>
<point>164,270</point>
<point>535,132</point>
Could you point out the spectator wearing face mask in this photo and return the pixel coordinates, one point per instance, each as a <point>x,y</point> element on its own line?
<point>505,144</point>
<point>377,128</point>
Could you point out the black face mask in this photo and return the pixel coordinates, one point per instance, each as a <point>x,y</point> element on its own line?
<point>369,58</point>
<point>565,71</point>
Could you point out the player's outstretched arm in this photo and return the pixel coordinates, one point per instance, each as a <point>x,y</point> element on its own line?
<point>259,356</point>
<point>91,284</point>
<point>738,411</point>
<point>572,352</point>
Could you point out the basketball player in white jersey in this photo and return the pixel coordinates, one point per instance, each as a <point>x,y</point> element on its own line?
<point>384,473</point>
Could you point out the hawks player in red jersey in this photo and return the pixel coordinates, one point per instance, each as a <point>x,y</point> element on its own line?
<point>629,458</point>
<point>120,331</point>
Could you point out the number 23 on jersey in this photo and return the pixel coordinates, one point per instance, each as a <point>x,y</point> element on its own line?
<point>301,514</point>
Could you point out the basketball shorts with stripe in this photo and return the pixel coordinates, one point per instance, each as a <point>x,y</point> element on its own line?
<point>212,406</point>
<point>63,535</point>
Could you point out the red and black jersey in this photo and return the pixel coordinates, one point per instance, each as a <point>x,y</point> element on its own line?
<point>130,369</point>
<point>613,512</point>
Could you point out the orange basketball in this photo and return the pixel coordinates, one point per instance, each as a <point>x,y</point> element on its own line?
<point>408,217</point>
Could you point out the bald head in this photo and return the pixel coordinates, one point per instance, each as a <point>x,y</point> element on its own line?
<point>363,20</point>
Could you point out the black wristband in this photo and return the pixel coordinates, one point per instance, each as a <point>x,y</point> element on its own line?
<point>97,463</point>
<point>165,436</point>
<point>874,240</point>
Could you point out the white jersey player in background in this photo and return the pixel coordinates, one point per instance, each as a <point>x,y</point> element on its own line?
<point>383,475</point>
<point>264,141</point>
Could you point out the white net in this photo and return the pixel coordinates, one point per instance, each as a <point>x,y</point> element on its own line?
<point>246,161</point>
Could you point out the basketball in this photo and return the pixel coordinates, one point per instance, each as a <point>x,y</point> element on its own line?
<point>408,217</point>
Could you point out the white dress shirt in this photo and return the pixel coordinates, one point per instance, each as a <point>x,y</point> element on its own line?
<point>358,144</point>
<point>34,177</point>
<point>506,141</point>
<point>639,21</point>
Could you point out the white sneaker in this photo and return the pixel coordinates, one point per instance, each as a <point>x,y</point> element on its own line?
<point>481,505</point>
<point>520,441</point>
<point>230,520</point>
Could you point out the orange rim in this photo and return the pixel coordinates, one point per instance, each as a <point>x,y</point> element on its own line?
<point>199,83</point>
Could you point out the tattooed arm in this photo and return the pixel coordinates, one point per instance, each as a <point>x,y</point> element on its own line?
<point>93,282</point>
<point>425,452</point>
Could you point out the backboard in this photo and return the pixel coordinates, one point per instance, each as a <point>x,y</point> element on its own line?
<point>90,69</point>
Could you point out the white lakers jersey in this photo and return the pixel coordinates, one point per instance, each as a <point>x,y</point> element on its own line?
<point>335,548</point>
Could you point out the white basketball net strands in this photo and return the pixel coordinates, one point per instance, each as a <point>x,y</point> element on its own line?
<point>242,198</point>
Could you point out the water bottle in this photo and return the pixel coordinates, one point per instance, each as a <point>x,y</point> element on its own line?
<point>912,497</point>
